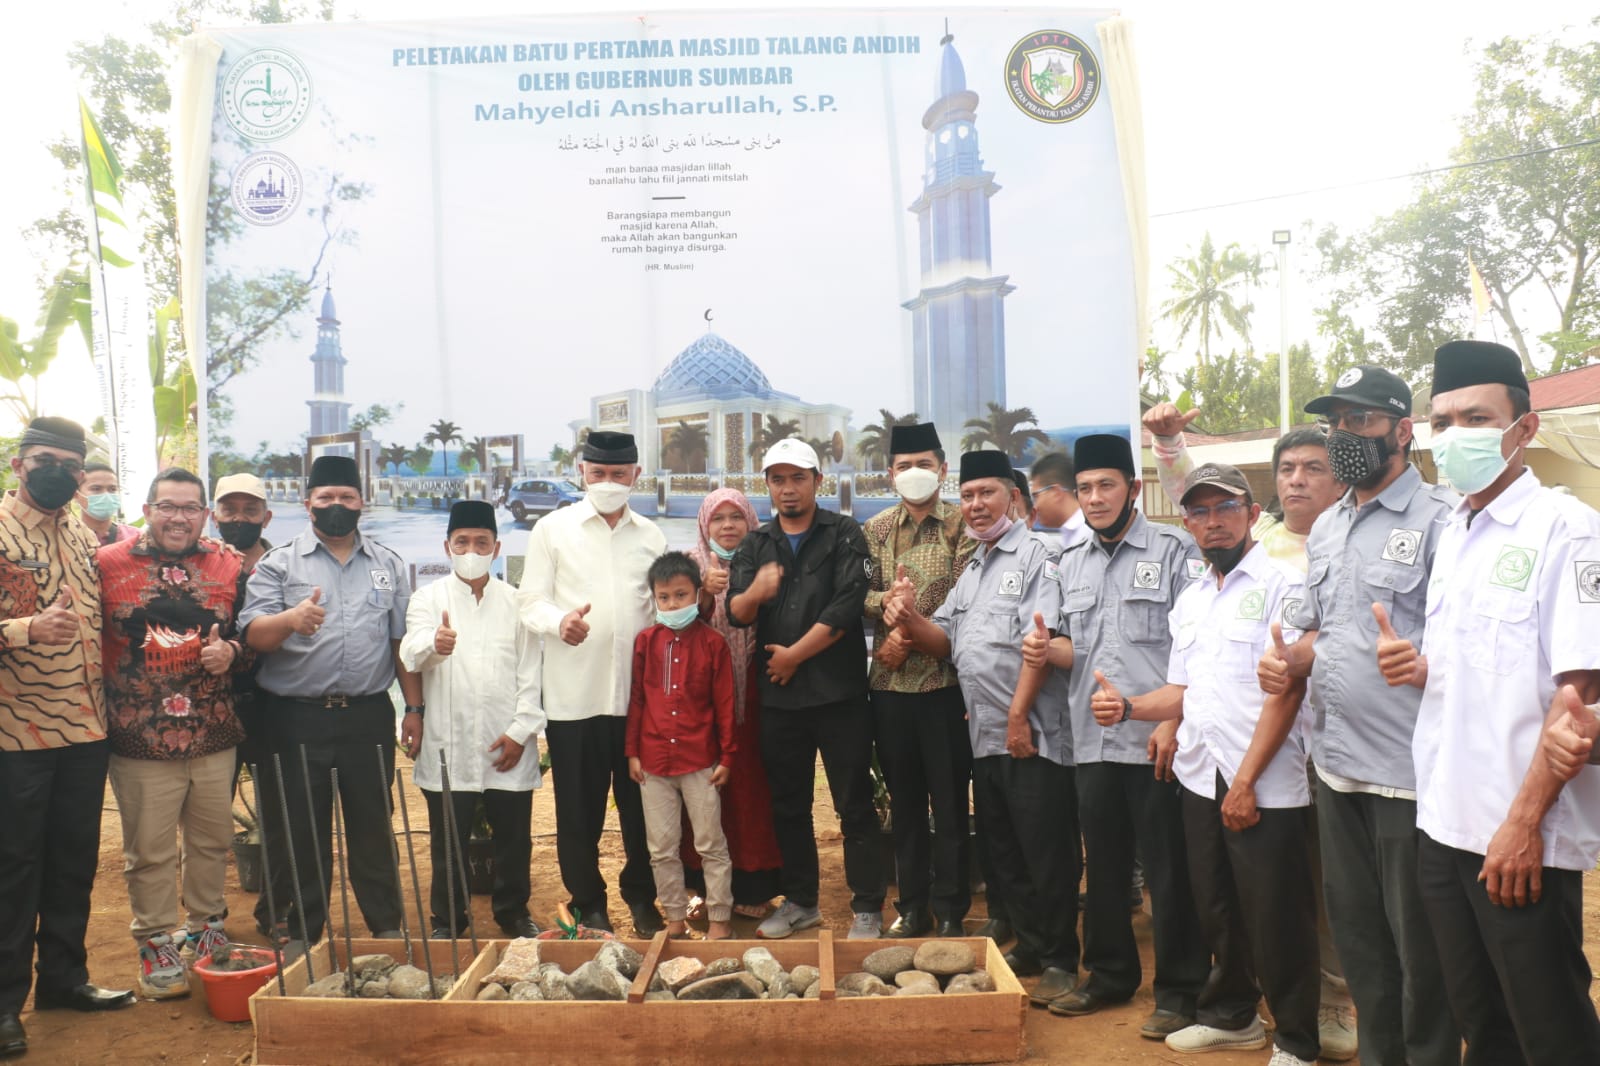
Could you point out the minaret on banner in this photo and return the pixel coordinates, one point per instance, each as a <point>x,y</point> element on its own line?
<point>329,412</point>
<point>958,321</point>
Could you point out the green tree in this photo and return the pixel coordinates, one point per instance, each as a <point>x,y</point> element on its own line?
<point>687,448</point>
<point>65,302</point>
<point>1204,286</point>
<point>1239,391</point>
<point>394,457</point>
<point>873,443</point>
<point>1005,430</point>
<point>771,432</point>
<point>374,416</point>
<point>562,457</point>
<point>420,460</point>
<point>443,433</point>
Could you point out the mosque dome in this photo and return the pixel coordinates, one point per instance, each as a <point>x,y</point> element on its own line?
<point>713,368</point>
<point>328,311</point>
<point>952,75</point>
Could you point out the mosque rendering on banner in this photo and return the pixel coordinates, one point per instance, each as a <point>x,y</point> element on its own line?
<point>330,413</point>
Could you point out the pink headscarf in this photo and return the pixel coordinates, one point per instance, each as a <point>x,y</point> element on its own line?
<point>741,640</point>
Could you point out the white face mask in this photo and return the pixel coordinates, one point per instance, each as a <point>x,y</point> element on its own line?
<point>608,497</point>
<point>1469,457</point>
<point>470,566</point>
<point>916,485</point>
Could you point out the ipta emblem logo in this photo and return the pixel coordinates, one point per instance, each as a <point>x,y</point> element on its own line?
<point>1052,76</point>
<point>266,94</point>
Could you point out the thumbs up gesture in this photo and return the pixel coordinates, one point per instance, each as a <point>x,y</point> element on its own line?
<point>444,638</point>
<point>574,630</point>
<point>217,654</point>
<point>1165,420</point>
<point>900,602</point>
<point>1568,742</point>
<point>57,623</point>
<point>1272,672</point>
<point>309,614</point>
<point>767,582</point>
<point>1398,660</point>
<point>1036,645</point>
<point>1106,703</point>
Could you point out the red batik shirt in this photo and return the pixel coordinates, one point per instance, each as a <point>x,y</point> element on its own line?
<point>159,610</point>
<point>680,708</point>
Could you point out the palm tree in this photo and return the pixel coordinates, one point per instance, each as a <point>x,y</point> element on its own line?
<point>479,447</point>
<point>1003,429</point>
<point>771,433</point>
<point>395,456</point>
<point>562,457</point>
<point>690,445</point>
<point>443,433</point>
<point>873,445</point>
<point>822,446</point>
<point>1203,287</point>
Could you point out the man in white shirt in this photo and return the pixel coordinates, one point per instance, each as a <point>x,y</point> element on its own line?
<point>1241,762</point>
<point>584,591</point>
<point>480,682</point>
<point>1512,611</point>
<point>1054,498</point>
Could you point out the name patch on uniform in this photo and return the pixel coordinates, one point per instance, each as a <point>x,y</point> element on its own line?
<point>1402,545</point>
<point>1147,575</point>
<point>1011,583</point>
<point>1193,568</point>
<point>1253,605</point>
<point>1513,567</point>
<point>33,564</point>
<point>382,579</point>
<point>1588,581</point>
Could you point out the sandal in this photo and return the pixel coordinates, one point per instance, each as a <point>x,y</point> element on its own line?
<point>757,911</point>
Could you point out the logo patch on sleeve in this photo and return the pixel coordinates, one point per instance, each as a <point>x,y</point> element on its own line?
<point>1193,568</point>
<point>1291,611</point>
<point>1402,546</point>
<point>1147,575</point>
<point>1588,581</point>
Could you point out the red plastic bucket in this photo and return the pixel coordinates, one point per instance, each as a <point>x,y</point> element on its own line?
<point>228,991</point>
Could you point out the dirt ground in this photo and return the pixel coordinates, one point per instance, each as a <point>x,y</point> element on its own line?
<point>182,1032</point>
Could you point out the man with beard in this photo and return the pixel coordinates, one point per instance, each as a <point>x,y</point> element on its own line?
<point>584,592</point>
<point>801,581</point>
<point>1251,873</point>
<point>1375,547</point>
<point>1022,777</point>
<point>921,721</point>
<point>1117,590</point>
<point>326,611</point>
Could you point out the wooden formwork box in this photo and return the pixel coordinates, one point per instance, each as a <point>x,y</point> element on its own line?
<point>460,1029</point>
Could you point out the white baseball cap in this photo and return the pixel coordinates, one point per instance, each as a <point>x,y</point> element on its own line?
<point>243,484</point>
<point>794,452</point>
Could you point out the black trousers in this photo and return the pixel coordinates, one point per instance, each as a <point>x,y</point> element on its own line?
<point>1258,909</point>
<point>1369,877</point>
<point>926,757</point>
<point>1027,811</point>
<point>348,739</point>
<point>50,805</point>
<point>586,762</point>
<point>790,742</point>
<point>1517,978</point>
<point>256,751</point>
<point>510,817</point>
<point>1122,805</point>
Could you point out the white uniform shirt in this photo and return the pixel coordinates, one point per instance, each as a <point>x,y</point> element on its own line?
<point>1074,531</point>
<point>1218,637</point>
<point>574,557</point>
<point>488,686</point>
<point>1513,602</point>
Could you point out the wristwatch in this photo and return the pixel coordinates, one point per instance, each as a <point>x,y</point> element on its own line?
<point>1127,708</point>
<point>414,710</point>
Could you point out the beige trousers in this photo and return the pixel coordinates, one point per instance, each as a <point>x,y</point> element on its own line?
<point>157,798</point>
<point>665,800</point>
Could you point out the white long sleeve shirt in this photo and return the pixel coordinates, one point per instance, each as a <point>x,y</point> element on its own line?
<point>486,687</point>
<point>576,558</point>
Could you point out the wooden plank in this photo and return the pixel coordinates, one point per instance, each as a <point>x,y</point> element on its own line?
<point>825,958</point>
<point>641,980</point>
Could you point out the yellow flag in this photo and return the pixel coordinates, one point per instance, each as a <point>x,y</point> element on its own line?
<point>1480,291</point>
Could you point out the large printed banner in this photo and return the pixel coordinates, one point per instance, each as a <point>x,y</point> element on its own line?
<point>706,229</point>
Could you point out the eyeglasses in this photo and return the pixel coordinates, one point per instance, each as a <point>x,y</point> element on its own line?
<point>1042,489</point>
<point>1224,510</point>
<point>1355,420</point>
<point>169,510</point>
<point>50,462</point>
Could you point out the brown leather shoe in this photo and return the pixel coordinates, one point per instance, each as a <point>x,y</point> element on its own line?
<point>1080,1001</point>
<point>1163,1023</point>
<point>1053,983</point>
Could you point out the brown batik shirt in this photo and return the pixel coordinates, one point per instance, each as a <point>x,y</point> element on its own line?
<point>934,552</point>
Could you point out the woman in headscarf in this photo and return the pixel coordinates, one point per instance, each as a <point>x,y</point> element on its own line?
<point>725,517</point>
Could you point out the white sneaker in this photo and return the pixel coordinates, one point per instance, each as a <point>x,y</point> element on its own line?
<point>788,918</point>
<point>211,937</point>
<point>1281,1057</point>
<point>1198,1038</point>
<point>162,974</point>
<point>1336,1025</point>
<point>865,926</point>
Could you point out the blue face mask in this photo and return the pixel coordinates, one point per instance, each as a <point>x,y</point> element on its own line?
<point>103,505</point>
<point>723,553</point>
<point>679,618</point>
<point>1469,457</point>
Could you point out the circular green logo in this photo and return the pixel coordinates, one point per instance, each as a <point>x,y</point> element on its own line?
<point>1513,568</point>
<point>266,94</point>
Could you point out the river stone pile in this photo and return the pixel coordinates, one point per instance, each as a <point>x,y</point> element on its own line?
<point>379,977</point>
<point>938,967</point>
<point>522,977</point>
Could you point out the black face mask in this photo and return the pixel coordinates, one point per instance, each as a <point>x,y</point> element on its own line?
<point>51,487</point>
<point>1357,460</point>
<point>1223,560</point>
<point>335,520</point>
<point>1114,530</point>
<point>241,535</point>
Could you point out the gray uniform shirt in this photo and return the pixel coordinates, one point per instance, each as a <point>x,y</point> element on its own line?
<point>365,599</point>
<point>985,616</point>
<point>1114,608</point>
<point>1381,552</point>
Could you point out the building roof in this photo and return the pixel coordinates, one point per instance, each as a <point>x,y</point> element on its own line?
<point>1570,388</point>
<point>711,367</point>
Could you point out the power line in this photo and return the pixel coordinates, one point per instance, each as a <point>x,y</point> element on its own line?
<point>1378,181</point>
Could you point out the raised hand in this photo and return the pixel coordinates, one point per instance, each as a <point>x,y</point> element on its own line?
<point>1036,645</point>
<point>444,638</point>
<point>1568,743</point>
<point>1165,420</point>
<point>216,657</point>
<point>768,580</point>
<point>57,623</point>
<point>574,630</point>
<point>1106,703</point>
<point>891,649</point>
<point>308,615</point>
<point>900,603</point>
<point>1398,660</point>
<point>1272,672</point>
<point>715,581</point>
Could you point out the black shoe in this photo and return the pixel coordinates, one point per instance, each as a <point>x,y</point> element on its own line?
<point>1080,1001</point>
<point>1163,1023</point>
<point>13,1041</point>
<point>85,997</point>
<point>1055,983</point>
<point>524,926</point>
<point>997,929</point>
<point>647,921</point>
<point>1024,965</point>
<point>917,923</point>
<point>439,932</point>
<point>599,920</point>
<point>950,927</point>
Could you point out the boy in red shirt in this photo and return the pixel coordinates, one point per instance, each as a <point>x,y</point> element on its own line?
<point>680,742</point>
